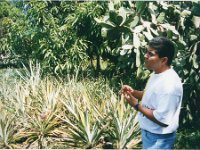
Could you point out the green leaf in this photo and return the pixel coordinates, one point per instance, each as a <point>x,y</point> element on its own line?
<point>169,34</point>
<point>136,41</point>
<point>140,6</point>
<point>113,34</point>
<point>104,32</point>
<point>148,35</point>
<point>111,6</point>
<point>138,61</point>
<point>195,62</point>
<point>161,17</point>
<point>124,52</point>
<point>107,25</point>
<point>167,26</point>
<point>134,22</point>
<point>196,21</point>
<point>127,46</point>
<point>154,31</point>
<point>152,12</point>
<point>196,10</point>
<point>119,20</point>
<point>193,37</point>
<point>123,13</point>
<point>124,29</point>
<point>112,16</point>
<point>138,29</point>
<point>139,72</point>
<point>185,13</point>
<point>125,38</point>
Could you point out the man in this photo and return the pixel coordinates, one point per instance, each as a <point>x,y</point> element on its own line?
<point>161,100</point>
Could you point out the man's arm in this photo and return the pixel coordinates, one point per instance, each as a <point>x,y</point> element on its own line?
<point>149,114</point>
<point>138,94</point>
<point>145,111</point>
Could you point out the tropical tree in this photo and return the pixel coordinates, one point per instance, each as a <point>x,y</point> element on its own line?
<point>42,34</point>
<point>130,25</point>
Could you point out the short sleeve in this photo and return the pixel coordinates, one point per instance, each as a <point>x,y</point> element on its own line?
<point>166,107</point>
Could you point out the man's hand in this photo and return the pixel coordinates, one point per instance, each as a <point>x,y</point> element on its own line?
<point>135,93</point>
<point>130,98</point>
<point>128,91</point>
<point>126,88</point>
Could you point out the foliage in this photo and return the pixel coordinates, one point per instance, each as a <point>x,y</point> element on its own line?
<point>178,21</point>
<point>8,13</point>
<point>50,113</point>
<point>124,124</point>
<point>189,139</point>
<point>98,38</point>
<point>42,34</point>
<point>7,129</point>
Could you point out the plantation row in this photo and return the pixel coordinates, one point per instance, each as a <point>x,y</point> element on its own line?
<point>47,113</point>
<point>105,39</point>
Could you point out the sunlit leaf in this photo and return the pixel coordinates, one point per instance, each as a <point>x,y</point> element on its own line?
<point>161,17</point>
<point>195,62</point>
<point>134,22</point>
<point>196,21</point>
<point>138,29</point>
<point>127,46</point>
<point>136,41</point>
<point>148,35</point>
<point>138,60</point>
<point>123,12</point>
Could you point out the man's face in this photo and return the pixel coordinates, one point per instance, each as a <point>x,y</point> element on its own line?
<point>152,60</point>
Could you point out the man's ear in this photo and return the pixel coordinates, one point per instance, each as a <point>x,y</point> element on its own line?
<point>164,60</point>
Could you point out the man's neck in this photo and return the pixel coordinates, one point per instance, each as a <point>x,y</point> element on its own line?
<point>163,69</point>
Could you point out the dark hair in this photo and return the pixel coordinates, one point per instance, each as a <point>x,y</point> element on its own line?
<point>164,48</point>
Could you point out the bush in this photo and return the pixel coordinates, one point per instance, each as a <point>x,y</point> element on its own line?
<point>187,139</point>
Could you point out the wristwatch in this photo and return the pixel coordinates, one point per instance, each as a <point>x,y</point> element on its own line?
<point>137,106</point>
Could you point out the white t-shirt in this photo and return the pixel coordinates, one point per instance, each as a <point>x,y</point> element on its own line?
<point>163,94</point>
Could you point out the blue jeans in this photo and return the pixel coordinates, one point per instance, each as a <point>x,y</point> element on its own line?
<point>158,141</point>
